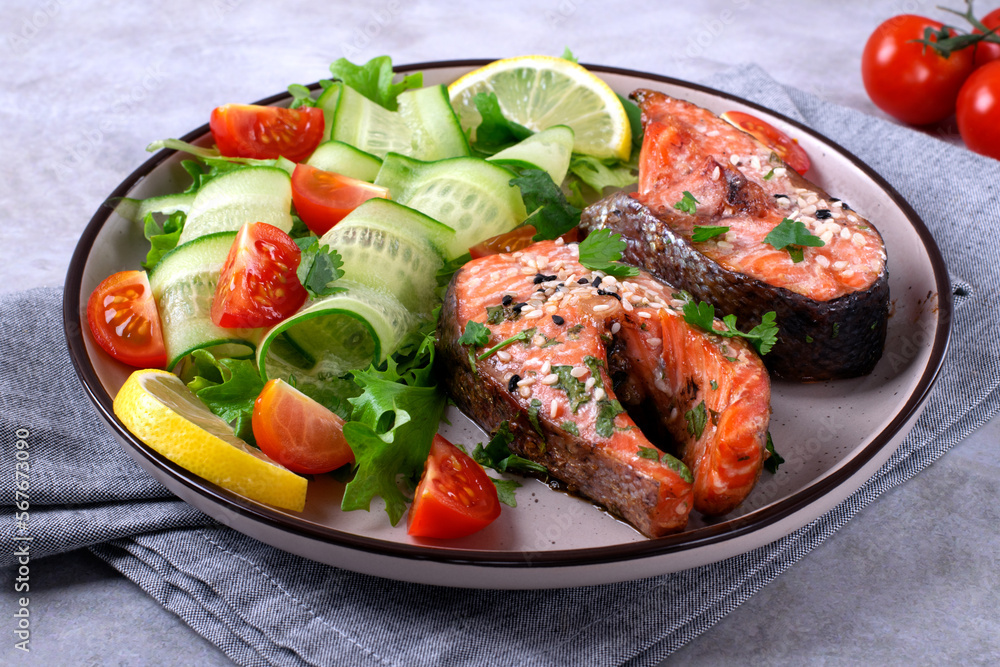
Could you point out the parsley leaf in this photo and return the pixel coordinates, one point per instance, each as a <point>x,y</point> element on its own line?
<point>319,266</point>
<point>570,427</point>
<point>701,314</point>
<point>688,204</point>
<point>495,132</point>
<point>505,490</point>
<point>793,235</point>
<point>607,410</point>
<point>475,334</point>
<point>696,419</point>
<point>497,455</point>
<point>706,232</point>
<point>670,461</point>
<point>229,388</point>
<point>648,453</point>
<point>552,216</point>
<point>772,462</point>
<point>161,239</point>
<point>600,174</point>
<point>602,250</point>
<point>301,96</point>
<point>525,335</point>
<point>374,79</point>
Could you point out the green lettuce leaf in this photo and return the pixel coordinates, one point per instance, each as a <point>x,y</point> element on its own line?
<point>228,387</point>
<point>161,239</point>
<point>374,80</point>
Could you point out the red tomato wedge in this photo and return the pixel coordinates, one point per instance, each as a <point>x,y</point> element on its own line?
<point>324,198</point>
<point>249,130</point>
<point>298,432</point>
<point>514,240</point>
<point>787,148</point>
<point>258,286</point>
<point>123,318</point>
<point>455,497</point>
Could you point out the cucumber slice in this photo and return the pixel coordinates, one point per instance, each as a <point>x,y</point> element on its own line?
<point>345,159</point>
<point>549,150</point>
<point>368,126</point>
<point>334,336</point>
<point>183,285</point>
<point>247,194</point>
<point>327,101</point>
<point>436,132</point>
<point>136,210</point>
<point>472,196</point>
<point>394,249</point>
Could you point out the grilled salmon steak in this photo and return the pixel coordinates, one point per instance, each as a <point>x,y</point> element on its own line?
<point>719,214</point>
<point>573,354</point>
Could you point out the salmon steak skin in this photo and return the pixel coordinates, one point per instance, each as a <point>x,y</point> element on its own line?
<point>830,294</point>
<point>580,337</point>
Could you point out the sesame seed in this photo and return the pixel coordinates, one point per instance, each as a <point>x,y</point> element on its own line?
<point>554,409</point>
<point>525,392</point>
<point>847,273</point>
<point>716,173</point>
<point>654,342</point>
<point>528,270</point>
<point>724,245</point>
<point>550,379</point>
<point>627,305</point>
<point>538,340</point>
<point>712,133</point>
<point>823,214</point>
<point>526,382</point>
<point>661,385</point>
<point>535,314</point>
<point>858,239</point>
<point>836,203</point>
<point>852,218</point>
<point>503,356</point>
<point>546,368</point>
<point>560,241</point>
<point>826,237</point>
<point>845,233</point>
<point>579,371</point>
<point>809,209</point>
<point>582,281</point>
<point>598,394</point>
<point>840,265</point>
<point>734,160</point>
<point>589,384</point>
<point>822,260</point>
<point>475,282</point>
<point>616,327</point>
<point>600,308</point>
<point>645,314</point>
<point>780,171</point>
<point>755,162</point>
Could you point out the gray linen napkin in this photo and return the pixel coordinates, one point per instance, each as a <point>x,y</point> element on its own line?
<point>262,606</point>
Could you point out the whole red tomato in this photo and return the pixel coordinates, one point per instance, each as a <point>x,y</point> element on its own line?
<point>907,80</point>
<point>978,111</point>
<point>987,52</point>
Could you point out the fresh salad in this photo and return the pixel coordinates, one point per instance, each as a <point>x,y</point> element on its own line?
<point>284,318</point>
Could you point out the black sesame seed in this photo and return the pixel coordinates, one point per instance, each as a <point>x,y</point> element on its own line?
<point>597,282</point>
<point>834,199</point>
<point>582,281</point>
<point>601,292</point>
<point>512,383</point>
<point>558,320</point>
<point>507,299</point>
<point>846,207</point>
<point>824,214</point>
<point>518,306</point>
<point>781,196</point>
<point>539,278</point>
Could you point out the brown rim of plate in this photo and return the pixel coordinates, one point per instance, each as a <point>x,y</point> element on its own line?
<point>696,538</point>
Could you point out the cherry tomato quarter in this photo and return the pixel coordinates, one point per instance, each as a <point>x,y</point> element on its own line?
<point>122,316</point>
<point>910,81</point>
<point>298,432</point>
<point>455,497</point>
<point>324,198</point>
<point>260,132</point>
<point>258,286</point>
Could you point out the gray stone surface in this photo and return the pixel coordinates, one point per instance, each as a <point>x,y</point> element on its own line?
<point>85,86</point>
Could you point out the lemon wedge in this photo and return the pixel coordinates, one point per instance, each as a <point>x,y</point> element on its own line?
<point>161,411</point>
<point>541,91</point>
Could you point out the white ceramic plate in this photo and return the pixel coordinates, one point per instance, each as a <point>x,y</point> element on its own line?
<point>833,435</point>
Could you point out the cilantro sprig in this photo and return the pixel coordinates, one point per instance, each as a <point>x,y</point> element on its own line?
<point>319,267</point>
<point>706,232</point>
<point>793,236</point>
<point>602,251</point>
<point>688,204</point>
<point>701,314</point>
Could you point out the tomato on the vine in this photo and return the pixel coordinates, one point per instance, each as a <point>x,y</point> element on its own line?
<point>912,81</point>
<point>787,148</point>
<point>324,198</point>
<point>258,286</point>
<point>122,315</point>
<point>455,497</point>
<point>298,432</point>
<point>254,131</point>
<point>987,52</point>
<point>978,112</point>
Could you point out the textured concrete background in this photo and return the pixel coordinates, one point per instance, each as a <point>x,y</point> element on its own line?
<point>85,86</point>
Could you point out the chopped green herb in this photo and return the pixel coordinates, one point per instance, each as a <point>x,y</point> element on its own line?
<point>549,342</point>
<point>551,215</point>
<point>688,204</point>
<point>495,314</point>
<point>497,455</point>
<point>525,336</point>
<point>575,389</point>
<point>595,366</point>
<point>772,462</point>
<point>701,314</point>
<point>715,385</point>
<point>533,415</point>
<point>863,227</point>
<point>836,329</point>
<point>809,338</point>
<point>161,239</point>
<point>505,490</point>
<point>648,453</point>
<point>475,334</point>
<point>570,427</point>
<point>602,250</point>
<point>671,462</point>
<point>696,419</point>
<point>574,331</point>
<point>319,267</point>
<point>706,232</point>
<point>769,175</point>
<point>644,326</point>
<point>607,410</point>
<point>793,236</point>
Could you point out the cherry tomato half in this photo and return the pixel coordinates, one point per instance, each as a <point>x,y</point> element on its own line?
<point>907,80</point>
<point>298,432</point>
<point>123,318</point>
<point>258,286</point>
<point>978,112</point>
<point>455,497</point>
<point>987,52</point>
<point>787,148</point>
<point>250,130</point>
<point>514,240</point>
<point>323,198</point>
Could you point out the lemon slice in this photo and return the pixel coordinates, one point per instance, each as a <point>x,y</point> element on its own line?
<point>541,91</point>
<point>162,412</point>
